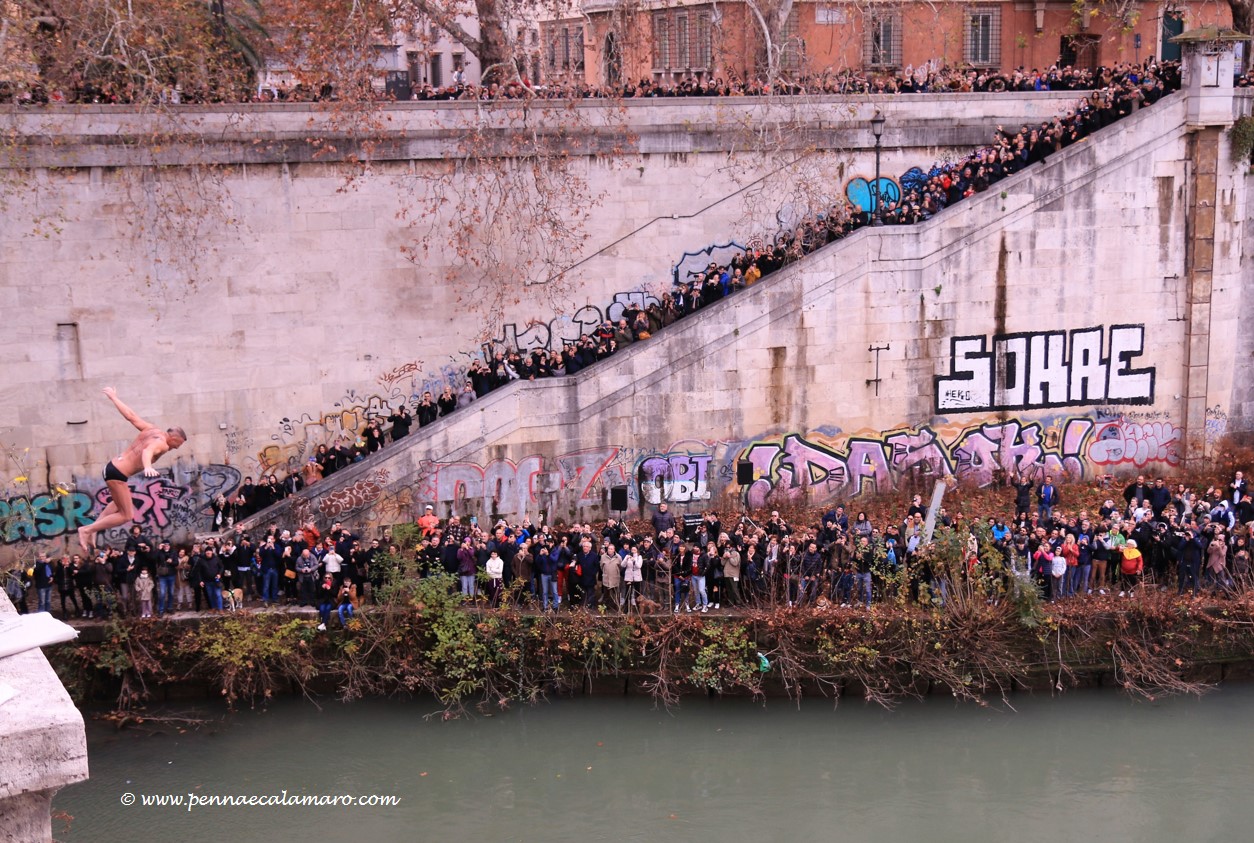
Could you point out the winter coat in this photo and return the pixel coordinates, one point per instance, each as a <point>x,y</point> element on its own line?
<point>611,573</point>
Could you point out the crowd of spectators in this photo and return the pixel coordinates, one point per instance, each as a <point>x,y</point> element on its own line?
<point>930,78</point>
<point>1158,535</point>
<point>927,79</point>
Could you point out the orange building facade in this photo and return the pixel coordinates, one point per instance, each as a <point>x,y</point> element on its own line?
<point>687,39</point>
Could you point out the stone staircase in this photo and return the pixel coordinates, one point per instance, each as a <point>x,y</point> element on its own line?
<point>543,447</point>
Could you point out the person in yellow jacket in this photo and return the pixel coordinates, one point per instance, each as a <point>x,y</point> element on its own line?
<point>1130,568</point>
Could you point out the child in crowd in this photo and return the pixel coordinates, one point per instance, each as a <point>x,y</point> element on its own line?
<point>143,587</point>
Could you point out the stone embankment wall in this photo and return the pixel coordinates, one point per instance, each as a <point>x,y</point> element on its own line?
<point>306,317</point>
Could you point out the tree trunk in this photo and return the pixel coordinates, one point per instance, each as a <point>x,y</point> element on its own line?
<point>496,58</point>
<point>772,16</point>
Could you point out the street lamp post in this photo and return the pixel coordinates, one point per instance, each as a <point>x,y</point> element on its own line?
<point>877,129</point>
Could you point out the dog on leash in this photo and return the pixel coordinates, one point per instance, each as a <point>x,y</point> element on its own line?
<point>232,599</point>
<point>645,606</point>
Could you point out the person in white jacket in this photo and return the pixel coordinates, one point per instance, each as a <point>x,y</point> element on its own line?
<point>633,574</point>
<point>496,568</point>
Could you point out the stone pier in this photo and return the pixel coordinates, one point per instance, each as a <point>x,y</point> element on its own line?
<point>44,744</point>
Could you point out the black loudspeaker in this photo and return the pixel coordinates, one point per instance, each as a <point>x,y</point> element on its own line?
<point>618,498</point>
<point>744,473</point>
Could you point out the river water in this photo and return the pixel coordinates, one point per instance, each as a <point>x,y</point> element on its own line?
<point>1085,766</point>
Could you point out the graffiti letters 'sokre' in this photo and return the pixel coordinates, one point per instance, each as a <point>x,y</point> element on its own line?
<point>1045,369</point>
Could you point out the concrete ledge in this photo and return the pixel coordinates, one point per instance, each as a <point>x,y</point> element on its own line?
<point>98,136</point>
<point>45,745</point>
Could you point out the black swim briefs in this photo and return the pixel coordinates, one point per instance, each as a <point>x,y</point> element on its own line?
<point>111,473</point>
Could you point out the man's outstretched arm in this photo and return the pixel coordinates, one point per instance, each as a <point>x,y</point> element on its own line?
<point>150,453</point>
<point>127,413</point>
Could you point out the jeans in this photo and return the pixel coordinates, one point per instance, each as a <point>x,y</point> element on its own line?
<point>862,587</point>
<point>345,612</point>
<point>468,584</point>
<point>844,588</point>
<point>165,594</point>
<point>324,612</point>
<point>548,587</point>
<point>699,597</point>
<point>270,586</point>
<point>1080,578</point>
<point>213,589</point>
<point>45,599</point>
<point>807,588</point>
<point>680,585</point>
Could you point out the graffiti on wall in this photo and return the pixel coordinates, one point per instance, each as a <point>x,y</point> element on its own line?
<point>507,486</point>
<point>1119,442</point>
<point>694,263</point>
<point>44,516</point>
<point>353,498</point>
<point>797,467</point>
<point>552,335</point>
<point>827,464</point>
<point>1216,424</point>
<point>792,467</point>
<point>681,474</point>
<point>861,191</point>
<point>172,505</point>
<point>1043,369</point>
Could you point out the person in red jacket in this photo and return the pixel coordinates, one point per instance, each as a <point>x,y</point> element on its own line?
<point>1130,568</point>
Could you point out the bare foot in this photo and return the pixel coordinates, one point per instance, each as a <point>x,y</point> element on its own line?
<point>86,539</point>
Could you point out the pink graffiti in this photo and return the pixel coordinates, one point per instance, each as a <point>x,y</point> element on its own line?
<point>1013,448</point>
<point>350,499</point>
<point>1121,442</point>
<point>510,486</point>
<point>591,470</point>
<point>505,486</point>
<point>918,452</point>
<point>152,502</point>
<point>798,470</point>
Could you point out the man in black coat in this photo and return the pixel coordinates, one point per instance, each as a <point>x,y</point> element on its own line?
<point>1023,494</point>
<point>401,422</point>
<point>1137,491</point>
